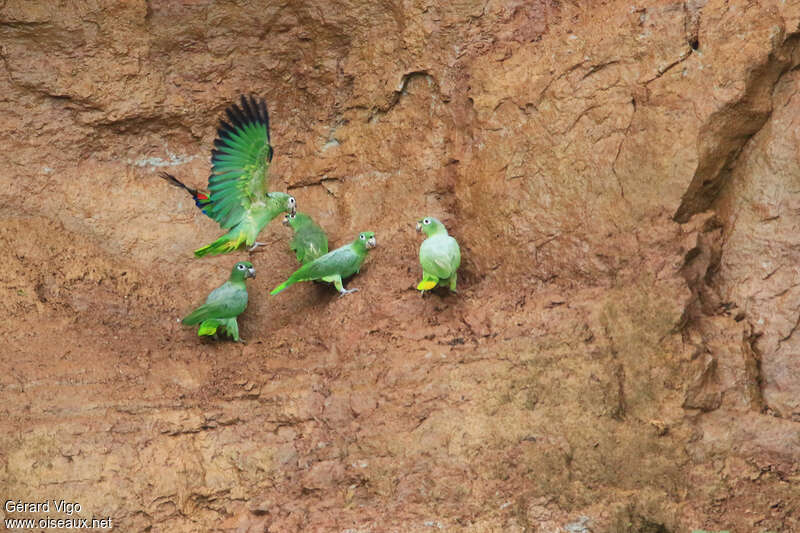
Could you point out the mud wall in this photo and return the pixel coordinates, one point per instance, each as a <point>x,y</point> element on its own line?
<point>623,179</point>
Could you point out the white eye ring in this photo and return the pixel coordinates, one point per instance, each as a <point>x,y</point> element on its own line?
<point>362,237</point>
<point>426,221</point>
<point>292,200</point>
<point>240,267</point>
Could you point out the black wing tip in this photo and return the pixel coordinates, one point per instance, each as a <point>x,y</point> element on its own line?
<point>225,127</point>
<point>251,110</point>
<point>256,107</point>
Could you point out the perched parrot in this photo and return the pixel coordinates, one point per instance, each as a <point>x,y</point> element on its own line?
<point>201,199</point>
<point>224,304</point>
<point>439,256</point>
<point>239,200</point>
<point>334,266</point>
<point>309,241</point>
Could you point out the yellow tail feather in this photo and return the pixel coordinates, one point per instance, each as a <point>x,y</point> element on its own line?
<point>426,285</point>
<point>207,329</point>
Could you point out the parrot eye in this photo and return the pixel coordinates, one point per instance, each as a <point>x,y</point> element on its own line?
<point>426,221</point>
<point>362,237</point>
<point>292,201</point>
<point>240,267</point>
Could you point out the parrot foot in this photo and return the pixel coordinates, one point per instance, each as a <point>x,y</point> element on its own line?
<point>256,245</point>
<point>346,291</point>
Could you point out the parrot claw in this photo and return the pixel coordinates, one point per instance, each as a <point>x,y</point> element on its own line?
<point>346,291</point>
<point>256,245</point>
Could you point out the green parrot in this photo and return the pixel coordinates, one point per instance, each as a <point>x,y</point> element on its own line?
<point>334,266</point>
<point>224,304</point>
<point>439,256</point>
<point>238,184</point>
<point>309,241</point>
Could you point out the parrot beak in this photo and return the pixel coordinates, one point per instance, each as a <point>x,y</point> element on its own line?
<point>371,242</point>
<point>251,273</point>
<point>294,210</point>
<point>419,226</point>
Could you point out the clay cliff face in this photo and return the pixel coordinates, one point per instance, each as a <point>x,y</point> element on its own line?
<point>623,353</point>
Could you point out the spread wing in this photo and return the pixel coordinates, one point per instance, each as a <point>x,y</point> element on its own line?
<point>239,162</point>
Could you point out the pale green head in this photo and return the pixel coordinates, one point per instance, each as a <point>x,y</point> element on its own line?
<point>366,240</point>
<point>430,226</point>
<point>242,270</point>
<point>284,201</point>
<point>296,220</point>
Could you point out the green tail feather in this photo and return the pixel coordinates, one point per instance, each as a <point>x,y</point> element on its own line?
<point>282,286</point>
<point>297,275</point>
<point>223,245</point>
<point>196,316</point>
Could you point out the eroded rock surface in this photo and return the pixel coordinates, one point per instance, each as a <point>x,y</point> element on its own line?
<point>622,355</point>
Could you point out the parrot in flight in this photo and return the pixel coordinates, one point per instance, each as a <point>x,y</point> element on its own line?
<point>201,199</point>
<point>239,199</point>
<point>224,304</point>
<point>309,241</point>
<point>439,256</point>
<point>334,266</point>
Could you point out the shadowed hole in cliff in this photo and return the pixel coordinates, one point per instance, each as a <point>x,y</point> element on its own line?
<point>726,132</point>
<point>398,93</point>
<point>750,288</point>
<point>143,121</point>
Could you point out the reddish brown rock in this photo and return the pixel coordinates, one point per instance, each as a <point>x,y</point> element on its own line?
<point>621,355</point>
